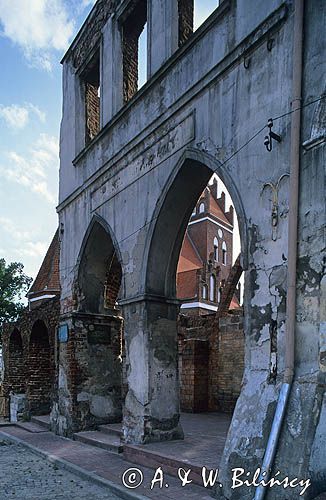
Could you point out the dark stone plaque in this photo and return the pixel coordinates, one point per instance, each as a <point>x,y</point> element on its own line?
<point>100,335</point>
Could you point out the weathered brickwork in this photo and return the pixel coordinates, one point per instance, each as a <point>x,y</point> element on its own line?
<point>113,283</point>
<point>212,361</point>
<point>16,365</point>
<point>194,375</point>
<point>92,103</point>
<point>186,20</point>
<point>29,356</point>
<point>132,29</point>
<point>40,370</point>
<point>93,366</point>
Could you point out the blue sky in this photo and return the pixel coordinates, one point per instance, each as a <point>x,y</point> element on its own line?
<point>34,34</point>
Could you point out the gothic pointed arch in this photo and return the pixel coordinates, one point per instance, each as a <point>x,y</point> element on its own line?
<point>187,181</point>
<point>99,273</point>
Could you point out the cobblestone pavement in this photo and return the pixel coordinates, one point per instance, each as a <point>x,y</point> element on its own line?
<point>26,476</point>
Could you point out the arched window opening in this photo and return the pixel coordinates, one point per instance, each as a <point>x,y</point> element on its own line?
<point>215,249</point>
<point>212,288</point>
<point>205,292</point>
<point>224,249</point>
<point>201,208</point>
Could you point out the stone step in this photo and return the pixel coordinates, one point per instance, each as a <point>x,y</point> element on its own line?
<point>31,426</point>
<point>111,429</point>
<point>42,420</point>
<point>153,459</point>
<point>100,440</point>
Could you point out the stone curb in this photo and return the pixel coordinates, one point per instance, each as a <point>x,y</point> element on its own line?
<point>75,469</point>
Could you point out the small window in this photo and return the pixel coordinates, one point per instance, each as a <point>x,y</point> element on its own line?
<point>134,50</point>
<point>215,249</point>
<point>201,208</point>
<point>91,80</point>
<point>205,292</point>
<point>212,288</point>
<point>224,253</point>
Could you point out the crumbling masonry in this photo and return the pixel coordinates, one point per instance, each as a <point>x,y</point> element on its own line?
<point>128,184</point>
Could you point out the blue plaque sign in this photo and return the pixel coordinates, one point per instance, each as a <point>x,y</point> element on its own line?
<point>63,333</point>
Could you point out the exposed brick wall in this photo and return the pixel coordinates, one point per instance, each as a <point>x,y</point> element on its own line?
<point>91,363</point>
<point>132,28</point>
<point>113,283</point>
<point>194,376</point>
<point>40,370</point>
<point>186,20</point>
<point>92,103</point>
<point>220,369</point>
<point>226,362</point>
<point>16,377</point>
<point>44,358</point>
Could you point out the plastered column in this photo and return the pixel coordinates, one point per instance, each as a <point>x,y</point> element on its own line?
<point>162,32</point>
<point>151,410</point>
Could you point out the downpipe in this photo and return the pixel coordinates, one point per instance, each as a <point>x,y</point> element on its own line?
<point>285,390</point>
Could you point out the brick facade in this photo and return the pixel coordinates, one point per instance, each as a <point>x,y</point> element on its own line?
<point>211,361</point>
<point>29,356</point>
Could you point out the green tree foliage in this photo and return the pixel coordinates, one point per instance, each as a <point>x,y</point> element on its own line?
<point>13,285</point>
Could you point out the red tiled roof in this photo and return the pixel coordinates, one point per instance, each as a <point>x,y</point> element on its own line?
<point>217,211</point>
<point>48,276</point>
<point>189,258</point>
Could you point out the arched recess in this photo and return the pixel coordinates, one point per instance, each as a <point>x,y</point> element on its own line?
<point>16,366</point>
<point>99,353</point>
<point>40,369</point>
<point>186,183</point>
<point>99,269</point>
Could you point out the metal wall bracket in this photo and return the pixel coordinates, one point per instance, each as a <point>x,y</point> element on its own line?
<point>269,138</point>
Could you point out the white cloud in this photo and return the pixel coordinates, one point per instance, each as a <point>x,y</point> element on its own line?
<point>31,249</point>
<point>17,117</point>
<point>32,170</point>
<point>38,27</point>
<point>8,225</point>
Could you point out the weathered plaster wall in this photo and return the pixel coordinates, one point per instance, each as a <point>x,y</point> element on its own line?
<point>201,112</point>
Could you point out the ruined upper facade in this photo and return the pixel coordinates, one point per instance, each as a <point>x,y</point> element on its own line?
<point>134,162</point>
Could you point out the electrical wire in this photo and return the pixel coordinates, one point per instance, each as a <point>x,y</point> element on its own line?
<point>153,219</point>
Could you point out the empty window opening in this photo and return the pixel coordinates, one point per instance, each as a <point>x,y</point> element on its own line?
<point>202,10</point>
<point>201,208</point>
<point>134,47</point>
<point>212,288</point>
<point>204,292</point>
<point>91,79</point>
<point>224,253</point>
<point>215,249</point>
<point>191,14</point>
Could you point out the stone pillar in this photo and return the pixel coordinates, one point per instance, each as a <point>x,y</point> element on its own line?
<point>162,32</point>
<point>90,373</point>
<point>151,410</point>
